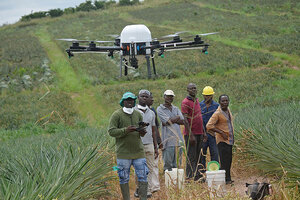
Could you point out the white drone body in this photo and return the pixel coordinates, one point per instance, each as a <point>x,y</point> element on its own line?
<point>135,33</point>
<point>138,35</point>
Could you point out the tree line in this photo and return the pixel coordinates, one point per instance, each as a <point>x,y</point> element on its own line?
<point>84,7</point>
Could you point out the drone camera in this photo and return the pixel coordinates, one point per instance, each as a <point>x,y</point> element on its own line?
<point>134,62</point>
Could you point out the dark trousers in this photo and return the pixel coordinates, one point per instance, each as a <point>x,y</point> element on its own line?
<point>225,152</point>
<point>193,165</point>
<point>213,150</point>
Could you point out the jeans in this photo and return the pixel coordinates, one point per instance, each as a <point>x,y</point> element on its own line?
<point>170,157</point>
<point>140,166</point>
<point>152,179</point>
<point>213,150</point>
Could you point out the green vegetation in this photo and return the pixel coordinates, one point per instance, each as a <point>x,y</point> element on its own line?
<point>86,6</point>
<point>34,107</point>
<point>69,165</point>
<point>49,102</point>
<point>268,134</point>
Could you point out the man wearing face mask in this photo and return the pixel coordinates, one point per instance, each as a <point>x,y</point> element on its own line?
<point>149,140</point>
<point>208,107</point>
<point>124,127</point>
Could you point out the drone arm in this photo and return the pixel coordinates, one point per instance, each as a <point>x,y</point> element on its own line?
<point>92,49</point>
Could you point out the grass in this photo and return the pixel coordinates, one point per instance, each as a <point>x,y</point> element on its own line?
<point>272,137</point>
<point>244,86</point>
<point>69,80</point>
<point>68,165</point>
<point>28,107</point>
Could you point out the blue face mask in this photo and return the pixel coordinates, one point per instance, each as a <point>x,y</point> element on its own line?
<point>128,110</point>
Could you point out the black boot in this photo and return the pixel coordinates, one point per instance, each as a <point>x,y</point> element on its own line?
<point>125,191</point>
<point>143,186</point>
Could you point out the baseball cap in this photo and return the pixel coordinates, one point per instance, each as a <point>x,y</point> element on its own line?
<point>169,92</point>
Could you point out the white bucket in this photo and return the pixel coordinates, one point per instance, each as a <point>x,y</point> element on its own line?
<point>216,181</point>
<point>173,177</point>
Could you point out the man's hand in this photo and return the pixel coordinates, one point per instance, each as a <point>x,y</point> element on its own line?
<point>161,146</point>
<point>175,119</point>
<point>156,153</point>
<point>192,140</point>
<point>142,131</point>
<point>204,137</point>
<point>224,135</point>
<point>130,129</point>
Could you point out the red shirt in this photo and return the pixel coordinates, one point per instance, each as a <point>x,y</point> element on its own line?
<point>193,110</point>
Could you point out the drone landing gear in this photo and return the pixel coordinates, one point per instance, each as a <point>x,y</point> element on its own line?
<point>125,61</point>
<point>125,66</point>
<point>153,64</point>
<point>149,67</point>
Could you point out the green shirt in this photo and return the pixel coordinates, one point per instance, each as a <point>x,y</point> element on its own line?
<point>128,145</point>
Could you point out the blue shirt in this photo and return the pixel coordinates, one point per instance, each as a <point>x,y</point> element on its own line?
<point>207,112</point>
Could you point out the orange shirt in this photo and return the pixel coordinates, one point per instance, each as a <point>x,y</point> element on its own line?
<point>220,121</point>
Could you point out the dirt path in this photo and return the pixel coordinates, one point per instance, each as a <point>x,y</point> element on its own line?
<point>194,191</point>
<point>83,96</point>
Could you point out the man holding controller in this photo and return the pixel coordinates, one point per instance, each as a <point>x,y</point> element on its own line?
<point>124,127</point>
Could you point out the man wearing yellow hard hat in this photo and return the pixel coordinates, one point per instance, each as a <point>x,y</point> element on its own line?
<point>208,107</point>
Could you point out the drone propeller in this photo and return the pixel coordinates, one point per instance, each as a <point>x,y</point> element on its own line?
<point>114,36</point>
<point>75,40</point>
<point>174,35</point>
<point>200,34</point>
<point>68,40</point>
<point>101,41</point>
<point>205,34</point>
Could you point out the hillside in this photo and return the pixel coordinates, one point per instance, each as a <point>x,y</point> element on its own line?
<point>45,96</point>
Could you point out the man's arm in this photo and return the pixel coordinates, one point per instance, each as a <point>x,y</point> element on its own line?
<point>164,118</point>
<point>211,126</point>
<point>113,129</point>
<point>154,141</point>
<point>189,130</point>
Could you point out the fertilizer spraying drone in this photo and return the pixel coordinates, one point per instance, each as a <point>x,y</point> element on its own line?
<point>134,41</point>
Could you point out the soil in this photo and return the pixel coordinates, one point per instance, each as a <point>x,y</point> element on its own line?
<point>240,174</point>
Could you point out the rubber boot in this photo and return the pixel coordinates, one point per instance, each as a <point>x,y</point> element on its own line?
<point>143,186</point>
<point>125,191</point>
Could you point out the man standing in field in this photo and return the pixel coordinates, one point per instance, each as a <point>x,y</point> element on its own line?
<point>149,140</point>
<point>194,137</point>
<point>171,118</point>
<point>221,124</point>
<point>156,185</point>
<point>124,127</point>
<point>208,107</point>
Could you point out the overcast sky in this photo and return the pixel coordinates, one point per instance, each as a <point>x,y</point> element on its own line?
<point>12,10</point>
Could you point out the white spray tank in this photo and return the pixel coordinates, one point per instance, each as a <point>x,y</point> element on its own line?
<point>174,177</point>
